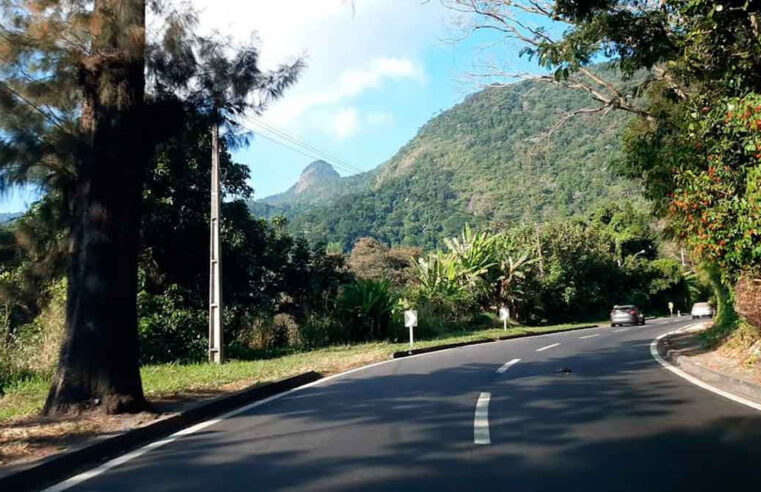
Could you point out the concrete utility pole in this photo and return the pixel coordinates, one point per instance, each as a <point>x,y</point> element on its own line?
<point>215,272</point>
<point>539,249</point>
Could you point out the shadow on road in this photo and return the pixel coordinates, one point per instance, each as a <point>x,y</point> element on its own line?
<point>617,422</point>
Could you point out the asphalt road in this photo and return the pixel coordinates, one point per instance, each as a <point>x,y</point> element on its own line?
<point>617,421</point>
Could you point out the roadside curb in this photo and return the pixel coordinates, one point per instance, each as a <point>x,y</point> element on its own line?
<point>38,474</point>
<point>735,389</point>
<point>407,353</point>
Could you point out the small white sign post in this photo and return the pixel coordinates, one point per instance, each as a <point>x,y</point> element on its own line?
<point>504,315</point>
<point>410,321</point>
<point>671,308</point>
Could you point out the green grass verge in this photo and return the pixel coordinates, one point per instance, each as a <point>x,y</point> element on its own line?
<point>26,397</point>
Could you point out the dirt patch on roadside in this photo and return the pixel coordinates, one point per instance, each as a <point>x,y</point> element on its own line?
<point>737,357</point>
<point>729,366</point>
<point>36,437</point>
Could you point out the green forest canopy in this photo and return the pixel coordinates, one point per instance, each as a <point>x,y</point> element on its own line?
<point>491,159</point>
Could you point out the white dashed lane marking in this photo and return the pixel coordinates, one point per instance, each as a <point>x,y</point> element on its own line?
<point>481,420</point>
<point>547,347</point>
<point>507,365</point>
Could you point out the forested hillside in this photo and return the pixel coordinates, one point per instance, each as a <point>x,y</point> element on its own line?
<point>497,156</point>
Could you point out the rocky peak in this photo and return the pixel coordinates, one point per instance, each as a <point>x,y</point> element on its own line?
<point>316,173</point>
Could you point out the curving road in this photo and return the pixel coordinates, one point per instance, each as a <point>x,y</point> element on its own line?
<point>586,410</point>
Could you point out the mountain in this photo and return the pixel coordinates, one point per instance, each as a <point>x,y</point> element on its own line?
<point>497,157</point>
<point>318,184</point>
<point>8,217</point>
<point>313,182</point>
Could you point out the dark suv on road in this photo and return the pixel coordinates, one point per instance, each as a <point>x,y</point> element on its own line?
<point>628,314</point>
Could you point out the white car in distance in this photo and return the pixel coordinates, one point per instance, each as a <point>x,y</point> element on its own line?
<point>701,310</point>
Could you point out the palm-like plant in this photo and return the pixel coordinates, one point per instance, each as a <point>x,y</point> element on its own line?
<point>477,267</point>
<point>476,256</point>
<point>439,275</point>
<point>476,252</point>
<point>512,273</point>
<point>365,307</point>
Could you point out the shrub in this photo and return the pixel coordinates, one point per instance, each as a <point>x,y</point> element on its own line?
<point>257,336</point>
<point>285,331</point>
<point>168,330</point>
<point>319,330</point>
<point>365,309</point>
<point>372,260</point>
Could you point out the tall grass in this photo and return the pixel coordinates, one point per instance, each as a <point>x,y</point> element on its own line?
<point>32,352</point>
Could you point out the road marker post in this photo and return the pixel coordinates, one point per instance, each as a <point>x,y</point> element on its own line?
<point>410,321</point>
<point>504,315</point>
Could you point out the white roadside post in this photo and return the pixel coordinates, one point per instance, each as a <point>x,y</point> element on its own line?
<point>504,315</point>
<point>671,308</point>
<point>410,321</point>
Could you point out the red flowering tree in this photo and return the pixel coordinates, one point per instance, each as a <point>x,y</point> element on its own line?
<point>716,202</point>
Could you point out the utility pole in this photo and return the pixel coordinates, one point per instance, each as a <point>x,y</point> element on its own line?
<point>215,271</point>
<point>681,249</point>
<point>539,249</point>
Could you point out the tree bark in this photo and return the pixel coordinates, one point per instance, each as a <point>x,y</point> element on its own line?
<point>98,366</point>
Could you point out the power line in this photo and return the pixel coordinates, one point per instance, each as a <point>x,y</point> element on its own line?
<point>294,148</point>
<point>303,143</point>
<point>303,148</point>
<point>281,137</point>
<point>294,138</point>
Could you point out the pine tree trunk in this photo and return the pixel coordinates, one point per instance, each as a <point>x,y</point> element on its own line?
<point>98,365</point>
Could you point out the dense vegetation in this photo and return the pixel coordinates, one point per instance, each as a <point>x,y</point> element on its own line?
<point>490,159</point>
<point>565,269</point>
<point>694,139</point>
<point>491,204</point>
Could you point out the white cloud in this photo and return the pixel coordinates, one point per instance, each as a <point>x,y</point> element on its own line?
<point>345,123</point>
<point>379,118</point>
<point>354,81</point>
<point>351,83</point>
<point>348,51</point>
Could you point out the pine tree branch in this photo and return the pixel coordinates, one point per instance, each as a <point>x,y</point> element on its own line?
<point>51,118</point>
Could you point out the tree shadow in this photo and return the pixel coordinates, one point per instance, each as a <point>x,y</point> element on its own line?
<point>617,421</point>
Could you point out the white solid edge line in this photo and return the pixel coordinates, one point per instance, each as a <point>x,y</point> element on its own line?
<point>547,347</point>
<point>589,336</point>
<point>120,460</point>
<point>481,420</point>
<point>692,379</point>
<point>507,365</point>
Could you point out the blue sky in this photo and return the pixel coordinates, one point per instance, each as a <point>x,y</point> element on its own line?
<point>364,130</point>
<point>375,74</point>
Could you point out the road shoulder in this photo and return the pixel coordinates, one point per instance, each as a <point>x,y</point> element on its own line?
<point>682,353</point>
